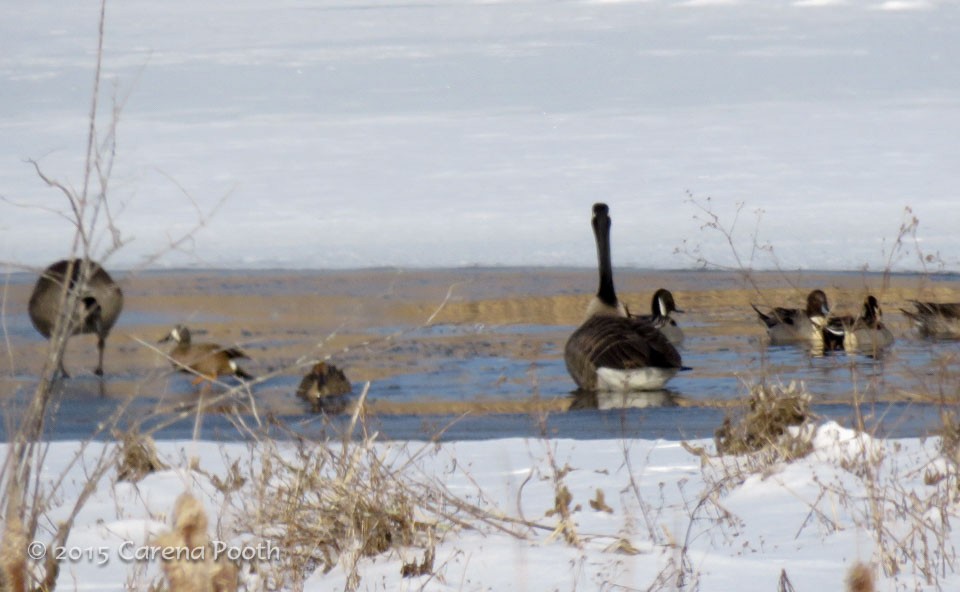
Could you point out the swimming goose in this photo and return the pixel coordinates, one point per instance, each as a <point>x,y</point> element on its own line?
<point>661,306</point>
<point>323,381</point>
<point>98,303</point>
<point>936,320</point>
<point>792,325</point>
<point>866,333</point>
<point>205,360</point>
<point>610,351</point>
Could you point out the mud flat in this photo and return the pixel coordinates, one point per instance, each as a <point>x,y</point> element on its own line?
<point>466,343</point>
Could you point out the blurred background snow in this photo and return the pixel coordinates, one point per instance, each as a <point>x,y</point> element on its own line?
<point>347,134</point>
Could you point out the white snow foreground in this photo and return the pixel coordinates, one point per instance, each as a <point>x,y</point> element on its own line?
<point>529,514</point>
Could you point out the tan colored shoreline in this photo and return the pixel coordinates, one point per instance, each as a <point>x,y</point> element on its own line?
<point>363,319</point>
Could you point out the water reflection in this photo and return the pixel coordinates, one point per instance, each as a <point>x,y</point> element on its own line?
<point>623,400</point>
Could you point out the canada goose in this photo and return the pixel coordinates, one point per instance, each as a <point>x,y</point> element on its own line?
<point>866,333</point>
<point>323,381</point>
<point>661,305</point>
<point>792,325</point>
<point>936,320</point>
<point>610,351</point>
<point>99,302</point>
<point>205,360</point>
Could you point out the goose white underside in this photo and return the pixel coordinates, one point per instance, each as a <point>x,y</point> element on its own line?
<point>639,379</point>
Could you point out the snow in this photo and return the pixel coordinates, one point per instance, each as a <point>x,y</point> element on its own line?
<point>329,134</point>
<point>459,132</point>
<point>720,523</point>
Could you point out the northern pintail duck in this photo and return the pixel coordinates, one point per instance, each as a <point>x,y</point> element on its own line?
<point>661,307</point>
<point>323,381</point>
<point>936,320</point>
<point>99,301</point>
<point>794,325</point>
<point>611,351</point>
<point>866,333</point>
<point>204,360</point>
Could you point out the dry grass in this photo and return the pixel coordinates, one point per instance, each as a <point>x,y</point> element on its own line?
<point>765,423</point>
<point>138,456</point>
<point>330,504</point>
<point>860,578</point>
<point>192,566</point>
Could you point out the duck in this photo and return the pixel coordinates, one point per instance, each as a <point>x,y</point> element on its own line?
<point>661,306</point>
<point>322,382</point>
<point>793,325</point>
<point>98,304</point>
<point>207,361</point>
<point>610,351</point>
<point>866,333</point>
<point>935,320</point>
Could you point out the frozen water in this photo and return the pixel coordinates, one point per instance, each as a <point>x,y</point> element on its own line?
<point>459,132</point>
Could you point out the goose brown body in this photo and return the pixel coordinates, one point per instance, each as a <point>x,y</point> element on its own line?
<point>205,360</point>
<point>99,301</point>
<point>610,350</point>
<point>618,343</point>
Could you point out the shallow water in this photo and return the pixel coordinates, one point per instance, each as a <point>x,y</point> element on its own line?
<point>490,362</point>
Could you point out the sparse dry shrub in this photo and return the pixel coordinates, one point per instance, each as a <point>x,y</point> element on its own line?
<point>771,410</point>
<point>949,433</point>
<point>13,557</point>
<point>331,504</point>
<point>193,567</point>
<point>138,456</point>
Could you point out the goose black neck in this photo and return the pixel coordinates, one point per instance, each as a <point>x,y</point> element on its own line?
<point>601,230</point>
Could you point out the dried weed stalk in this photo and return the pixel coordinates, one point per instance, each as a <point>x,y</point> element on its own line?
<point>764,424</point>
<point>188,557</point>
<point>138,456</point>
<point>330,504</point>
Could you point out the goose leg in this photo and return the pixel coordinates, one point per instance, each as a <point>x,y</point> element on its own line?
<point>101,343</point>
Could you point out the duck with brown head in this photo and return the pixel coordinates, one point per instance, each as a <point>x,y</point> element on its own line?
<point>794,325</point>
<point>865,333</point>
<point>611,351</point>
<point>206,361</point>
<point>98,299</point>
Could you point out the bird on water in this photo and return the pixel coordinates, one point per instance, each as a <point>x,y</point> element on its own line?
<point>611,351</point>
<point>97,298</point>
